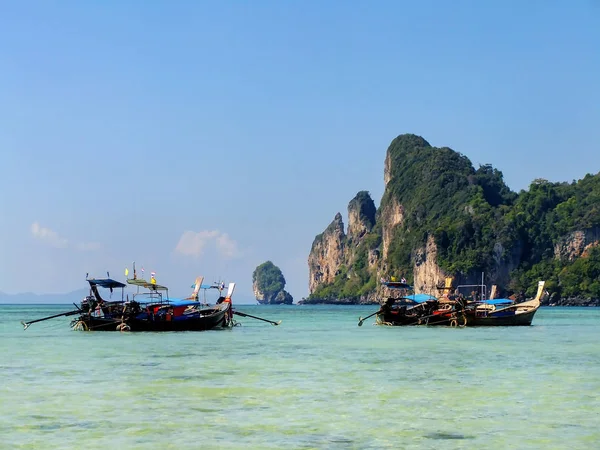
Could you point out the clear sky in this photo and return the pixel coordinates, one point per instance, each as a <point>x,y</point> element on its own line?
<point>206,137</point>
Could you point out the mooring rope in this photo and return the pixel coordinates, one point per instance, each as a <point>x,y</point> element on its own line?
<point>80,325</point>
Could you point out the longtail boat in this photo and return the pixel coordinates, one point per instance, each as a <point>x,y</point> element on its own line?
<point>504,312</point>
<point>453,310</point>
<point>409,308</point>
<point>153,310</point>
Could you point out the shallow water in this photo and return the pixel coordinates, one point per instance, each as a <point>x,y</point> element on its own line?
<point>316,381</point>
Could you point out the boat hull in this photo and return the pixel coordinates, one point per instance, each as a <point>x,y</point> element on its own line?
<point>398,318</point>
<point>220,317</point>
<point>510,318</point>
<point>92,323</point>
<point>189,324</point>
<point>456,312</point>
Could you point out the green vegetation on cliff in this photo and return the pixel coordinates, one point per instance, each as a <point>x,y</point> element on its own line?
<point>268,283</point>
<point>439,191</point>
<point>543,220</point>
<point>268,278</point>
<point>478,224</point>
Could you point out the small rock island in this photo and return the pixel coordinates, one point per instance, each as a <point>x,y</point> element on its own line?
<point>268,285</point>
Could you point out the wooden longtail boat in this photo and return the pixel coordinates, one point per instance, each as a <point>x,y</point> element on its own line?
<point>409,308</point>
<point>153,310</point>
<point>450,310</point>
<point>504,312</point>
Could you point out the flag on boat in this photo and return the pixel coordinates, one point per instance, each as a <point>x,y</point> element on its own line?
<point>126,272</point>
<point>152,277</point>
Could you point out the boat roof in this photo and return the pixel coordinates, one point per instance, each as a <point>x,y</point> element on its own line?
<point>176,302</point>
<point>108,283</point>
<point>145,284</point>
<point>206,286</point>
<point>419,298</point>
<point>498,301</point>
<point>396,285</point>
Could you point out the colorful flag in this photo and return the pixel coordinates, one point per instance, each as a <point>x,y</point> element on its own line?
<point>126,272</point>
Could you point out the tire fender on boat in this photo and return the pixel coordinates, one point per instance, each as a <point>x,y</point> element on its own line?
<point>123,327</point>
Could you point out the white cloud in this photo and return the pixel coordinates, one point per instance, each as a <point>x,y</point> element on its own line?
<point>48,236</point>
<point>192,243</point>
<point>54,239</point>
<point>88,246</point>
<point>226,246</point>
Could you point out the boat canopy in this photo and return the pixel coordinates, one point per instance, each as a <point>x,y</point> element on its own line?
<point>498,301</point>
<point>206,286</point>
<point>183,302</point>
<point>147,285</point>
<point>107,283</point>
<point>419,298</point>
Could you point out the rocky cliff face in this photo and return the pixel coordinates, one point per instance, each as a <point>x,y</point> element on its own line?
<point>327,254</point>
<point>335,251</point>
<point>272,298</point>
<point>361,216</point>
<point>369,235</point>
<point>391,216</point>
<point>439,217</point>
<point>576,244</point>
<point>426,272</point>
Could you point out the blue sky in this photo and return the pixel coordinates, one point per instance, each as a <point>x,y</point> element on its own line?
<point>200,137</point>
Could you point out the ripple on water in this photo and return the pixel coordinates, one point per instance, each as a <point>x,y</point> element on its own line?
<point>439,435</point>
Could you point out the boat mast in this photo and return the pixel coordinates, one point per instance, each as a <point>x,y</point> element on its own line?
<point>482,297</point>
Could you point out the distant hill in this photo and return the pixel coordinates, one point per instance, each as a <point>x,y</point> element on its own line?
<point>78,295</point>
<point>31,298</point>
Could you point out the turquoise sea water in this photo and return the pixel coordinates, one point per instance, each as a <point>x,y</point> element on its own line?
<point>316,381</point>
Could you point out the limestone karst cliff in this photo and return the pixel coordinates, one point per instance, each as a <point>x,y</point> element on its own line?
<point>268,285</point>
<point>327,254</point>
<point>439,216</point>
